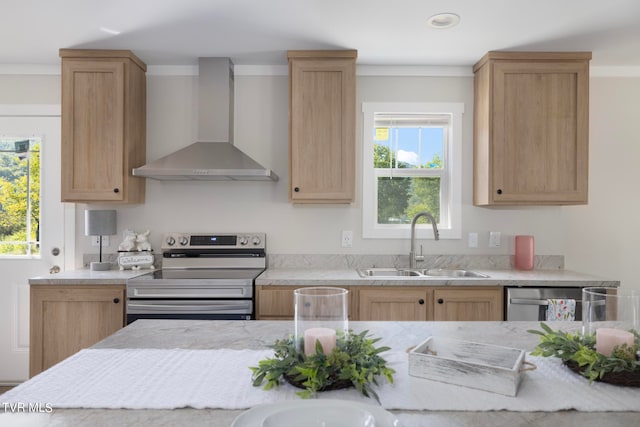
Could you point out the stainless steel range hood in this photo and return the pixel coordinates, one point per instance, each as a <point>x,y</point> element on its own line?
<point>213,157</point>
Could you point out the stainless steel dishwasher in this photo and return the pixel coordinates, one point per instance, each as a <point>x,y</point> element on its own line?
<point>531,303</point>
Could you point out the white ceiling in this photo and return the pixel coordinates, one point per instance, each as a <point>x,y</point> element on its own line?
<point>259,32</point>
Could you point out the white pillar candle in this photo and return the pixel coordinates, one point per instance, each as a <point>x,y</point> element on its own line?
<point>607,338</point>
<point>326,336</point>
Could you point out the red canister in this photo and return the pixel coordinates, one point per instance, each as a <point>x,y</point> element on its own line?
<point>524,252</point>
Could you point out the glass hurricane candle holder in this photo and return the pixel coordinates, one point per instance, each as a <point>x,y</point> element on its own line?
<point>612,315</point>
<point>320,315</point>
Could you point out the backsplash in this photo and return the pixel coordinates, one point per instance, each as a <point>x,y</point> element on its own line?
<point>340,262</point>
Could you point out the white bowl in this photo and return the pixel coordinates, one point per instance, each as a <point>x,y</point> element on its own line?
<point>307,417</point>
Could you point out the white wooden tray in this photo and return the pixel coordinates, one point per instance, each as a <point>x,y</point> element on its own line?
<point>482,366</point>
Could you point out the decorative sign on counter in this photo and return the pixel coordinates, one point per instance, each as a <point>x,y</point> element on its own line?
<point>135,251</point>
<point>135,260</point>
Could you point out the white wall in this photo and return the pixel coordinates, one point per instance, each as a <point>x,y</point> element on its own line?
<point>261,131</point>
<point>603,237</point>
<point>600,238</point>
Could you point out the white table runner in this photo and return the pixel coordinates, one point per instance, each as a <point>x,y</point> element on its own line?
<point>168,379</point>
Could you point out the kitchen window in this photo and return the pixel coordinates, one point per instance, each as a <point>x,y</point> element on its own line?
<point>19,196</point>
<point>411,164</point>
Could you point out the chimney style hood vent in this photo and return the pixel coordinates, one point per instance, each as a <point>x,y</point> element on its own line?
<point>213,157</point>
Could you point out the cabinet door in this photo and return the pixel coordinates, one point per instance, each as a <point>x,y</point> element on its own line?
<point>322,129</point>
<point>531,129</point>
<point>66,319</point>
<point>463,304</point>
<point>394,303</point>
<point>540,129</point>
<point>274,302</point>
<point>277,302</point>
<point>93,130</point>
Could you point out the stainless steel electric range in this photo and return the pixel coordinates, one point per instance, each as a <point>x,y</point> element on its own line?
<point>203,276</point>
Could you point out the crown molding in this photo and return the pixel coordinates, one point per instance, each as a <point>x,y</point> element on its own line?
<point>283,70</point>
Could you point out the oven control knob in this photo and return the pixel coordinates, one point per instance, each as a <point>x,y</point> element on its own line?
<point>183,241</point>
<point>171,241</point>
<point>255,241</point>
<point>244,240</point>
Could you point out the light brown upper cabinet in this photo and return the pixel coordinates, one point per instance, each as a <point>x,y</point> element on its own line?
<point>103,125</point>
<point>322,108</point>
<point>531,128</point>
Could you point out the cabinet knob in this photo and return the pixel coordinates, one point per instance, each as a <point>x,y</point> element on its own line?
<point>499,191</point>
<point>440,301</point>
<point>420,301</point>
<point>116,190</point>
<point>296,189</point>
<point>116,300</point>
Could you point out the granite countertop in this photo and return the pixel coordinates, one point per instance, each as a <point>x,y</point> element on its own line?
<point>349,277</point>
<point>192,334</point>
<point>87,277</point>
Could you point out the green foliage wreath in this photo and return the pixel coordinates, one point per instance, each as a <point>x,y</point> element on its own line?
<point>355,362</point>
<point>578,349</point>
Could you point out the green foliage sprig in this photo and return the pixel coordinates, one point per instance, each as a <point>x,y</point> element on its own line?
<point>580,349</point>
<point>355,359</point>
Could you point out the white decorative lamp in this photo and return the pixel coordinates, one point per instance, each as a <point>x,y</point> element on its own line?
<point>100,223</point>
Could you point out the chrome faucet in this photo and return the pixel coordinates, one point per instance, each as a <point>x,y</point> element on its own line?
<point>413,258</point>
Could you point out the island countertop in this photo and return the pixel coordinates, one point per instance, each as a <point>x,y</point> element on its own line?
<point>192,334</point>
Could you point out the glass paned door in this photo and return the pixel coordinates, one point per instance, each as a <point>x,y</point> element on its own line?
<point>32,223</point>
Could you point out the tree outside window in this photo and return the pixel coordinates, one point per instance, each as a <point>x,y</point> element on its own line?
<point>19,196</point>
<point>411,164</point>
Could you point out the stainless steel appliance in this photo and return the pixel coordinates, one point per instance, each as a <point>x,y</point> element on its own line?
<point>203,276</point>
<point>531,303</point>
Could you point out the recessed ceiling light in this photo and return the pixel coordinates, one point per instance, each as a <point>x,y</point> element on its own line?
<point>443,20</point>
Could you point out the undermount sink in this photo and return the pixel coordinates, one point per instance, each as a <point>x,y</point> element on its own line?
<point>386,272</point>
<point>431,272</point>
<point>445,272</point>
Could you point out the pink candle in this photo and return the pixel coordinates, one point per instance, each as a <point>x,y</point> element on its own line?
<point>326,336</point>
<point>607,338</point>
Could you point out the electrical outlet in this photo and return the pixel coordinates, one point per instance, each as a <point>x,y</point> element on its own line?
<point>473,240</point>
<point>494,239</point>
<point>347,238</point>
<point>95,241</point>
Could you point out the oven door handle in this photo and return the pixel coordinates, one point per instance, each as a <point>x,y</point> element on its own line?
<point>195,308</point>
<point>531,301</point>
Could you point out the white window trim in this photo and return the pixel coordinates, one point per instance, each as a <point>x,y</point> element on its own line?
<point>370,228</point>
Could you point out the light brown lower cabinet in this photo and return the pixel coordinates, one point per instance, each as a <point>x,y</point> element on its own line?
<point>472,303</point>
<point>396,303</point>
<point>276,302</point>
<point>67,318</point>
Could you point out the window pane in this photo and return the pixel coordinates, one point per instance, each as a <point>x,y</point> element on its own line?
<point>19,196</point>
<point>400,198</point>
<point>409,147</point>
